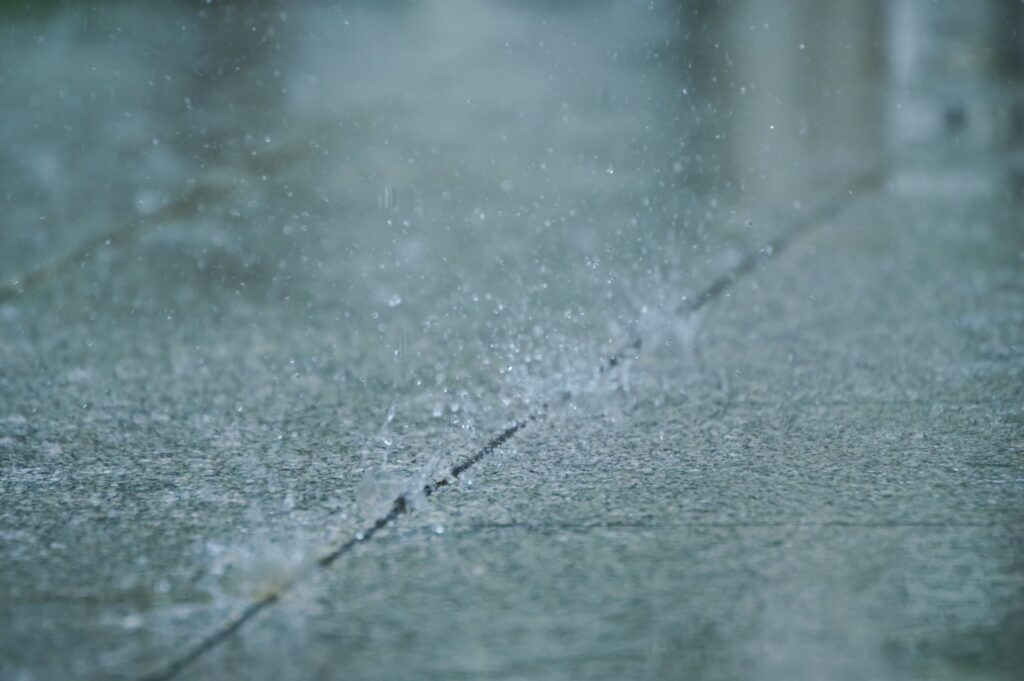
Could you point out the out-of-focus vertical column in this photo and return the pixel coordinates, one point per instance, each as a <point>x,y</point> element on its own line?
<point>954,94</point>
<point>802,93</point>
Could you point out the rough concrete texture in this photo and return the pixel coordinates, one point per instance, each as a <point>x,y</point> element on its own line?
<point>828,487</point>
<point>244,309</point>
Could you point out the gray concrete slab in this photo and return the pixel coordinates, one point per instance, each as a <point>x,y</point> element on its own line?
<point>264,269</point>
<point>257,280</point>
<point>729,517</point>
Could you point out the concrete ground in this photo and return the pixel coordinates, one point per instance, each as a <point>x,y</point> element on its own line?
<point>727,417</point>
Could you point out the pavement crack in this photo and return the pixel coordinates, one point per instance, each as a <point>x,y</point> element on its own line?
<point>401,505</point>
<point>583,527</point>
<point>188,204</point>
<point>754,260</point>
<point>183,207</point>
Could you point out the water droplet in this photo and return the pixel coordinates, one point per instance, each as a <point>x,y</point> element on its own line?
<point>395,300</point>
<point>131,622</point>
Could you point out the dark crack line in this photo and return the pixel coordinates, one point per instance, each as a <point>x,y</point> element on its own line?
<point>639,525</point>
<point>399,507</point>
<point>187,205</point>
<point>182,207</point>
<point>218,637</point>
<point>754,260</point>
<point>747,265</point>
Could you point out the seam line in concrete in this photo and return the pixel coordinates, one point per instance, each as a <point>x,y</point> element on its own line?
<point>187,205</point>
<point>747,265</point>
<point>182,207</point>
<point>725,524</point>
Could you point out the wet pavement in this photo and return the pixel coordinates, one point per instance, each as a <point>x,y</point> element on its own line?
<point>269,272</point>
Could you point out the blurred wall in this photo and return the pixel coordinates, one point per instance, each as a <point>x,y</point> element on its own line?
<point>954,92</point>
<point>793,86</point>
<point>800,93</point>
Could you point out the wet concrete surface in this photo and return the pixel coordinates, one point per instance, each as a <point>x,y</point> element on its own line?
<point>829,486</point>
<point>256,289</point>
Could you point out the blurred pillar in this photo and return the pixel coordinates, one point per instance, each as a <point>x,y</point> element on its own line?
<point>800,90</point>
<point>954,93</point>
<point>236,91</point>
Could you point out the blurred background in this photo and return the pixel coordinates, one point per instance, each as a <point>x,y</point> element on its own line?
<point>426,193</point>
<point>114,112</point>
<point>331,158</point>
<point>262,261</point>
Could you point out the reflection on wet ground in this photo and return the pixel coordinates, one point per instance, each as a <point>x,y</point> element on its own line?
<point>263,263</point>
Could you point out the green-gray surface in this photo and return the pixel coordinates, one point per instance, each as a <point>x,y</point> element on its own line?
<point>265,268</point>
<point>829,486</point>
